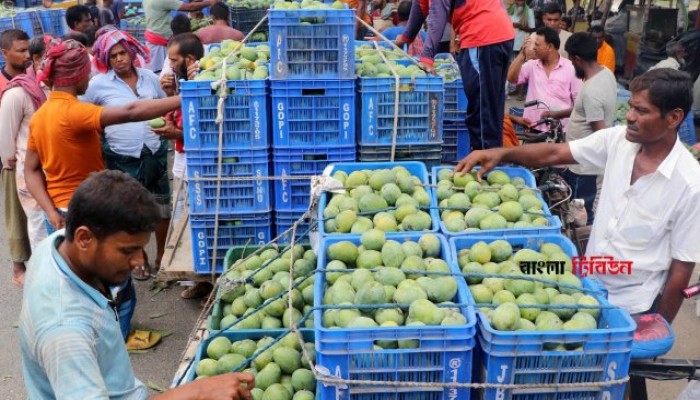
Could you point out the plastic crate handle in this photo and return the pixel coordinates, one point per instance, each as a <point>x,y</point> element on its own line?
<point>313,92</point>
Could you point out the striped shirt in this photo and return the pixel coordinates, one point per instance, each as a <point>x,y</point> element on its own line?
<point>72,347</point>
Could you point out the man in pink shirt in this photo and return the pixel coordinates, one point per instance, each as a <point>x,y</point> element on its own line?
<point>220,30</point>
<point>551,79</point>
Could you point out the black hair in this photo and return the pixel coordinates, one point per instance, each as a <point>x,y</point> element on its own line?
<point>582,45</point>
<point>668,88</point>
<point>10,36</point>
<point>180,24</point>
<point>219,11</point>
<point>37,46</point>
<point>404,10</point>
<point>189,44</point>
<point>568,20</point>
<point>109,202</point>
<point>597,29</point>
<point>552,8</point>
<point>550,36</point>
<point>75,14</point>
<point>78,37</point>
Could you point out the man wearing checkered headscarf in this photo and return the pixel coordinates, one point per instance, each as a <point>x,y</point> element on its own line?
<point>65,64</point>
<point>132,148</point>
<point>108,37</point>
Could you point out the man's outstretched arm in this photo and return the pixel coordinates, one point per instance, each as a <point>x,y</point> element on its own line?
<point>532,155</point>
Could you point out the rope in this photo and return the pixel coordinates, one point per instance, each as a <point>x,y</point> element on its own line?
<point>223,93</point>
<point>326,378</point>
<point>397,84</point>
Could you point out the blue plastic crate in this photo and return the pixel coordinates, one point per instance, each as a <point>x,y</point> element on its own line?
<point>27,3</point>
<point>235,336</point>
<point>284,221</point>
<point>313,113</point>
<point>234,230</point>
<point>415,168</point>
<point>686,132</point>
<point>420,110</point>
<point>456,141</point>
<point>428,154</point>
<point>135,27</point>
<point>236,196</point>
<point>312,44</point>
<point>54,21</point>
<point>293,194</point>
<point>245,19</point>
<point>455,101</point>
<point>444,353</point>
<point>455,97</point>
<point>521,357</point>
<point>245,116</point>
<point>27,21</point>
<point>554,221</point>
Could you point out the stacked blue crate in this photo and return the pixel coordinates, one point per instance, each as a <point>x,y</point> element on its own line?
<point>54,22</point>
<point>229,193</point>
<point>419,128</point>
<point>27,21</point>
<point>455,135</point>
<point>312,92</point>
<point>135,26</point>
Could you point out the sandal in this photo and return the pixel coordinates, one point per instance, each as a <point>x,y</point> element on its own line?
<point>141,273</point>
<point>142,339</point>
<point>199,290</point>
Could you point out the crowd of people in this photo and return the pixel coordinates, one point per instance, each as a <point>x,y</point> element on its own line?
<point>82,166</point>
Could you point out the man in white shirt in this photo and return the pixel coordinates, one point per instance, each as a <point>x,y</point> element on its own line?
<point>648,211</point>
<point>676,53</point>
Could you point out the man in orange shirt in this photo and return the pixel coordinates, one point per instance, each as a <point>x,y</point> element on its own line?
<point>606,54</point>
<point>64,144</point>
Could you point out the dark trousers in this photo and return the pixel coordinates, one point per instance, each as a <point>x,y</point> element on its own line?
<point>484,72</point>
<point>582,187</point>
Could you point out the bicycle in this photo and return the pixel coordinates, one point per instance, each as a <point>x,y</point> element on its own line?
<point>553,187</point>
<point>646,364</point>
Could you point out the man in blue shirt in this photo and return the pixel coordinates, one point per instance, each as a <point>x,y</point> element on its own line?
<point>404,11</point>
<point>132,147</point>
<point>70,339</point>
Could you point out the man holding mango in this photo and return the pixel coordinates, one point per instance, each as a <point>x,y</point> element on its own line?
<point>131,147</point>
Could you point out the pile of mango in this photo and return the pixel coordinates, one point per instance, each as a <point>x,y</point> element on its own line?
<point>389,271</point>
<point>498,202</point>
<point>386,199</point>
<point>307,5</point>
<point>511,295</point>
<point>250,4</point>
<point>248,64</point>
<point>281,372</point>
<point>268,275</point>
<point>370,64</point>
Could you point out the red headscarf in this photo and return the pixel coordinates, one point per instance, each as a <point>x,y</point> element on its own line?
<point>64,64</point>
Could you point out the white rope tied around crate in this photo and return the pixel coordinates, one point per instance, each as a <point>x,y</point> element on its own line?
<point>41,23</point>
<point>397,84</point>
<point>335,381</point>
<point>223,93</point>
